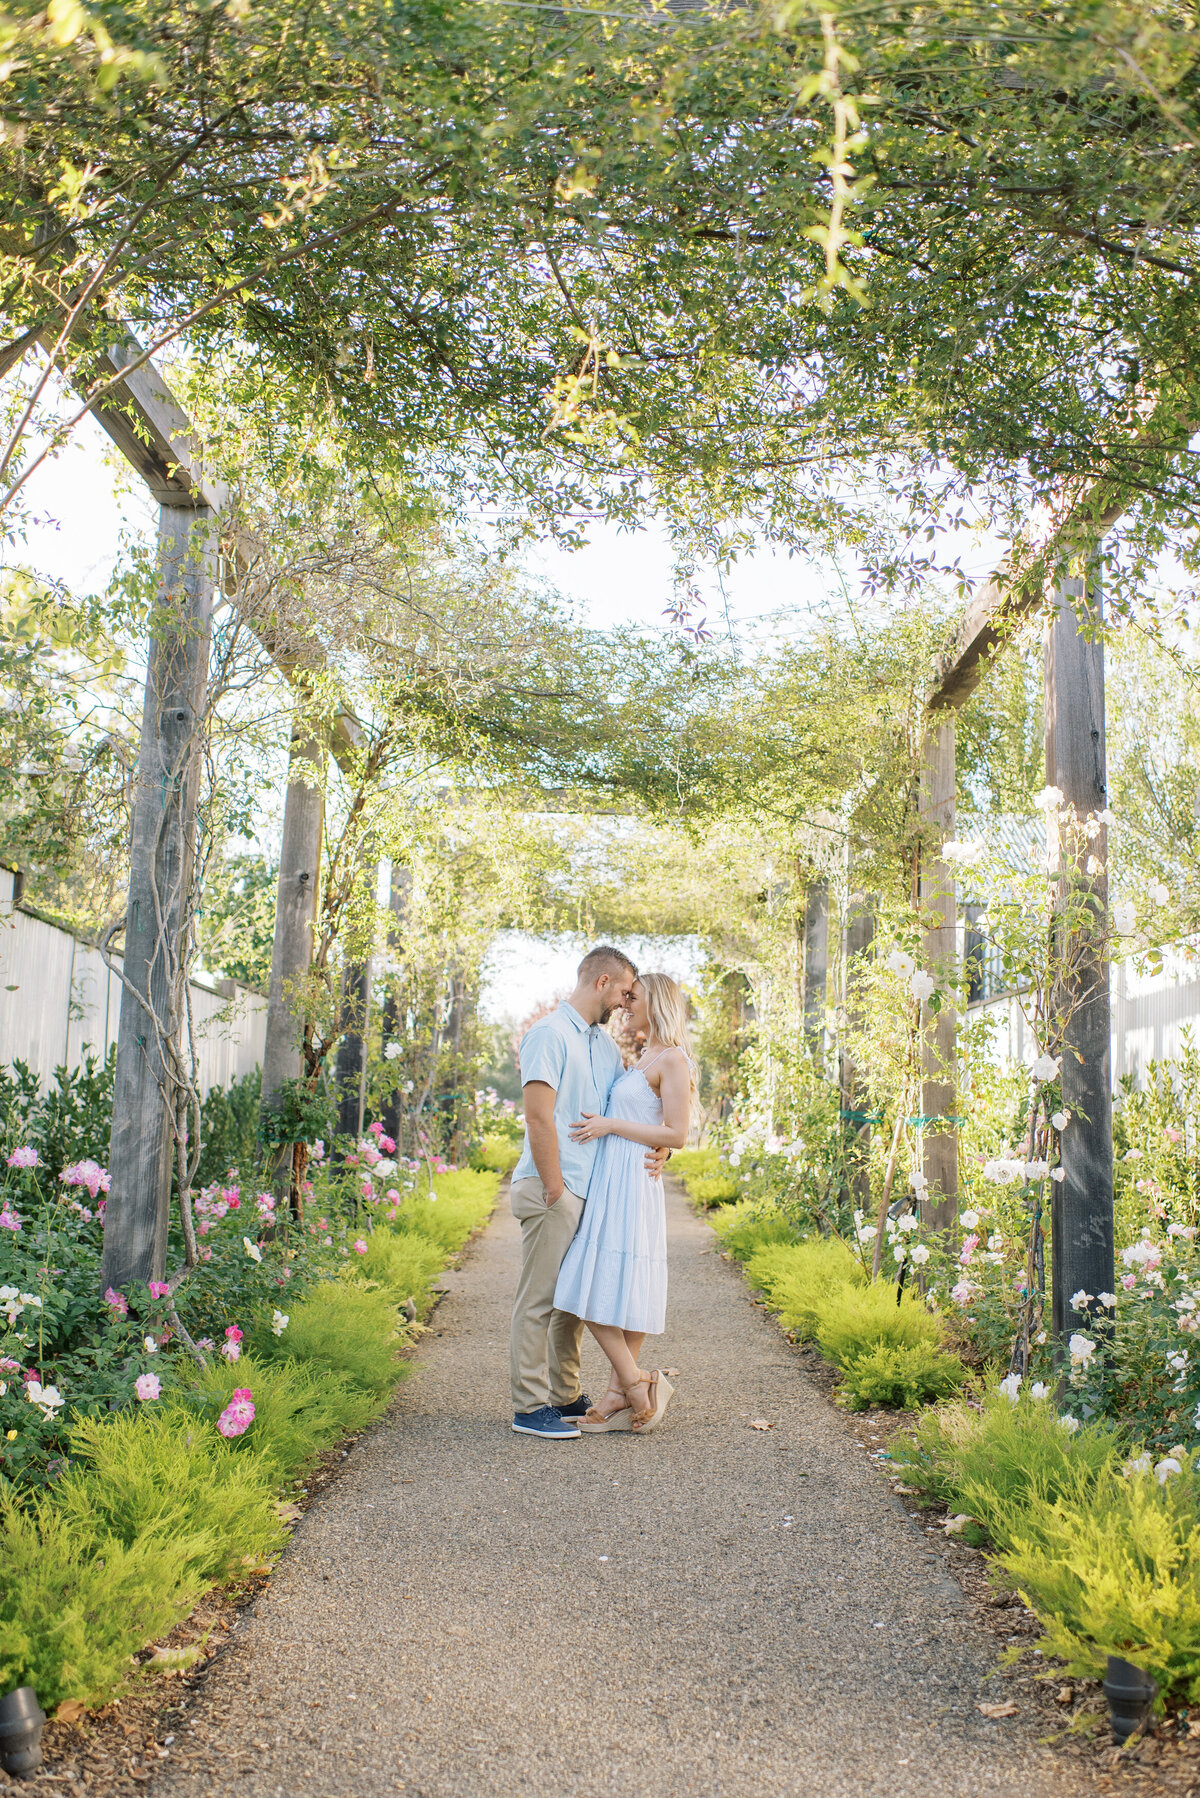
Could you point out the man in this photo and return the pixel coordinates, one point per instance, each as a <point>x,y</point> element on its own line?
<point>568,1065</point>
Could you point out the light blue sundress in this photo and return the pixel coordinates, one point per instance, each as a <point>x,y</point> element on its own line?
<point>615,1271</point>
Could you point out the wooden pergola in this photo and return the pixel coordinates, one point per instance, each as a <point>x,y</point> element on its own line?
<point>146,422</point>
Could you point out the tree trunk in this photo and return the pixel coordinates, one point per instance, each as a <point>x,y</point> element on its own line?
<point>939,1028</point>
<point>1082,1205</point>
<point>157,922</point>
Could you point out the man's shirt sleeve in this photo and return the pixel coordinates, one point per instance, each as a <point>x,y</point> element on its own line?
<point>543,1056</point>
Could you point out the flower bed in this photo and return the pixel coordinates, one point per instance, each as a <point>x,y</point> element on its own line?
<point>134,1474</point>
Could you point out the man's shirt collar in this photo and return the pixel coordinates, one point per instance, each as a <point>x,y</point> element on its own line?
<point>579,1023</point>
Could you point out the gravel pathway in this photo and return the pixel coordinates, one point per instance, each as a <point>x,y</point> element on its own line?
<point>710,1610</point>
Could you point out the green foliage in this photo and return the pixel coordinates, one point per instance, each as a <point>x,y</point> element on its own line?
<point>70,1121</point>
<point>713,1189</point>
<point>75,1605</point>
<point>404,1263</point>
<point>996,1460</point>
<point>798,1276</point>
<point>449,1208</point>
<point>749,1225</point>
<point>905,1377</point>
<point>695,1164</point>
<point>852,1319</point>
<point>298,1113</point>
<point>1115,1569</point>
<point>302,1402</point>
<point>343,1328</point>
<point>229,1128</point>
<point>142,1472</point>
<point>496,1154</point>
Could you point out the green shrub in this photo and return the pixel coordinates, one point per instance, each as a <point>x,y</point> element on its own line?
<point>690,1164</point>
<point>797,1276</point>
<point>405,1264</point>
<point>145,1471</point>
<point>340,1328</point>
<point>451,1210</point>
<point>496,1154</point>
<point>905,1377</point>
<point>750,1225</point>
<point>300,1406</point>
<point>1115,1571</point>
<point>1002,1459</point>
<point>713,1189</point>
<point>852,1319</point>
<point>75,1605</point>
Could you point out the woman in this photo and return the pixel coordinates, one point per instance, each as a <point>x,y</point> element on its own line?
<point>614,1274</point>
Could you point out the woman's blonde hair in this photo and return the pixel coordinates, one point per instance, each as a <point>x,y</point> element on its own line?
<point>667,1004</point>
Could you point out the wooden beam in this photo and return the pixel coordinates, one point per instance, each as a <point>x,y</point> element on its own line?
<point>153,432</point>
<point>1009,598</point>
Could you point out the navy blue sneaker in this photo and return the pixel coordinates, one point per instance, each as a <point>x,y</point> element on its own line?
<point>545,1421</point>
<point>578,1407</point>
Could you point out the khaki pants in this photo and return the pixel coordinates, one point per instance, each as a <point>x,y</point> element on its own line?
<point>545,1343</point>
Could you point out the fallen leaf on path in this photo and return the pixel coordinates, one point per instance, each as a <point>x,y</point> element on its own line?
<point>1065,1695</point>
<point>1007,1709</point>
<point>70,1711</point>
<point>760,1423</point>
<point>288,1513</point>
<point>954,1525</point>
<point>174,1660</point>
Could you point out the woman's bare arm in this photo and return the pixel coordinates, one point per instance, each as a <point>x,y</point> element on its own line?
<point>675,1091</point>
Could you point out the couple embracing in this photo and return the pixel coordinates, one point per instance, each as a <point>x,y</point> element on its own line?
<point>587,1193</point>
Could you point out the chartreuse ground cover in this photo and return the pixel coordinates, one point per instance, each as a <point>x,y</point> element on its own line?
<point>135,1475</point>
<point>1085,1492</point>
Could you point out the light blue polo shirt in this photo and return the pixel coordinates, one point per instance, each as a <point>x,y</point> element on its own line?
<point>580,1062</point>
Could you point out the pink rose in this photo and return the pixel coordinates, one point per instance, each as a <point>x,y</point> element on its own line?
<point>23,1157</point>
<point>238,1414</point>
<point>8,1219</point>
<point>159,1289</point>
<point>360,1247</point>
<point>147,1386</point>
<point>118,1301</point>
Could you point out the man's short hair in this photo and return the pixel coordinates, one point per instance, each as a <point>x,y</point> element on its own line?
<point>598,961</point>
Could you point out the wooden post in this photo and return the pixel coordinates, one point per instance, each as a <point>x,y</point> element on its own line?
<point>1082,1205</point>
<point>816,964</point>
<point>857,937</point>
<point>296,898</point>
<point>939,902</point>
<point>350,1075</point>
<point>398,902</point>
<point>161,860</point>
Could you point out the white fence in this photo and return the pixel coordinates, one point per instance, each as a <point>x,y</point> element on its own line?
<point>57,999</point>
<point>1149,1015</point>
